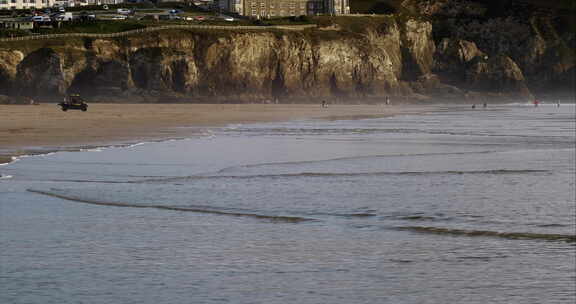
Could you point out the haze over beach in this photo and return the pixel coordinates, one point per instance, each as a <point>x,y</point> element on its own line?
<point>365,152</point>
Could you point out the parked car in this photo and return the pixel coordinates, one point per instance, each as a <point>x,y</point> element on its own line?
<point>169,17</point>
<point>64,17</point>
<point>41,19</point>
<point>123,11</point>
<point>84,16</point>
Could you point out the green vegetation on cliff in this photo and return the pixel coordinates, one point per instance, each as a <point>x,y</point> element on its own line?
<point>97,27</point>
<point>495,7</point>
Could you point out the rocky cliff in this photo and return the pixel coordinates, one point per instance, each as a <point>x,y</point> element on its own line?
<point>401,56</point>
<point>497,46</point>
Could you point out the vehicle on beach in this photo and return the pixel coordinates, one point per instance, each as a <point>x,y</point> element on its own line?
<point>73,102</point>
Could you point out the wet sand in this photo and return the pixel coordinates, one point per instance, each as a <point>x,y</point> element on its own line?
<point>31,129</point>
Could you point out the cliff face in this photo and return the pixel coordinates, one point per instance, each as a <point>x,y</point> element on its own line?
<point>398,58</point>
<point>248,66</point>
<point>533,43</point>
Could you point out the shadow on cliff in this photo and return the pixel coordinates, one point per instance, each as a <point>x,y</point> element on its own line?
<point>40,74</point>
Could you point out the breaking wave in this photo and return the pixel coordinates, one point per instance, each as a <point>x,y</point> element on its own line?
<point>270,218</point>
<point>361,131</point>
<point>354,174</point>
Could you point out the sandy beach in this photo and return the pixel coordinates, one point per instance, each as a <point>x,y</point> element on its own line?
<point>26,129</point>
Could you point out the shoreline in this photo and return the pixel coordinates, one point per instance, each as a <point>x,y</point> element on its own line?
<point>41,129</point>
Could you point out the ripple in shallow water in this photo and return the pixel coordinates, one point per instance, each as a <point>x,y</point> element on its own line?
<point>483,233</point>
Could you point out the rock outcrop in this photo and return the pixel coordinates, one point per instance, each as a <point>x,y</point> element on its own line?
<point>532,44</point>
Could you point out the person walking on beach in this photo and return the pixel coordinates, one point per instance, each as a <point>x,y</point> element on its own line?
<point>536,102</point>
<point>324,104</point>
<point>484,105</point>
<point>474,106</point>
<point>387,100</point>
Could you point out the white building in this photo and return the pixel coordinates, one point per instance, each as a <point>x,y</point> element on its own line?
<point>74,3</point>
<point>25,4</point>
<point>99,2</point>
<point>32,4</point>
<point>338,7</point>
<point>279,8</point>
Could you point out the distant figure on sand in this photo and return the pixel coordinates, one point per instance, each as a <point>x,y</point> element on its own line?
<point>484,105</point>
<point>387,100</point>
<point>473,106</point>
<point>536,102</point>
<point>324,104</point>
<point>558,103</point>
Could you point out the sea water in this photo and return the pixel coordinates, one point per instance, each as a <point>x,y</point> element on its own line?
<point>452,206</point>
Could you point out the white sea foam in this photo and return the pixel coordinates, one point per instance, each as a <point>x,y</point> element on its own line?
<point>5,164</point>
<point>234,126</point>
<point>13,159</point>
<point>98,149</point>
<point>137,144</point>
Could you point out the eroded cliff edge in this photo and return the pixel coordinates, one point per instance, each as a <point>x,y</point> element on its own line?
<point>389,56</point>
